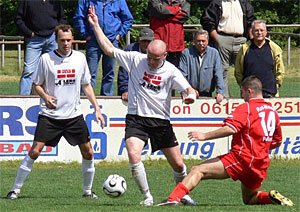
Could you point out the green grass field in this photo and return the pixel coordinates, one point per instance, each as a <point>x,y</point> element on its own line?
<point>10,76</point>
<point>58,186</point>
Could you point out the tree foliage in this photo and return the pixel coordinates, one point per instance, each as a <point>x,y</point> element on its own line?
<point>273,11</point>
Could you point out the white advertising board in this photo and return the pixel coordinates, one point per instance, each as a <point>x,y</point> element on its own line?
<point>18,117</point>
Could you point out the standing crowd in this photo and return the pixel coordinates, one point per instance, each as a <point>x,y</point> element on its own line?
<point>150,69</point>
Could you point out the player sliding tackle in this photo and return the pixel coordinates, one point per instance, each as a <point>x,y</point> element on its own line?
<point>151,80</point>
<point>256,129</point>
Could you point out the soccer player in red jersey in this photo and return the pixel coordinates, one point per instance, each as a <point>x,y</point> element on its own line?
<point>256,129</point>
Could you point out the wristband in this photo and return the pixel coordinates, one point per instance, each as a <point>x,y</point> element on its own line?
<point>192,96</point>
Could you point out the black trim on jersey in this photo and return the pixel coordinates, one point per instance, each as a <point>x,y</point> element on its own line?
<point>59,55</point>
<point>163,63</point>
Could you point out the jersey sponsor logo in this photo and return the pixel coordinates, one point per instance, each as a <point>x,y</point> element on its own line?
<point>65,77</point>
<point>151,82</point>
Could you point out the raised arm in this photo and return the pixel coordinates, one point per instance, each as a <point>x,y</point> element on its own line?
<point>105,44</point>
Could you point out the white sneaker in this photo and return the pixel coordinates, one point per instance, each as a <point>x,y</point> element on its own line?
<point>12,195</point>
<point>187,200</point>
<point>91,195</point>
<point>147,202</point>
<point>168,203</point>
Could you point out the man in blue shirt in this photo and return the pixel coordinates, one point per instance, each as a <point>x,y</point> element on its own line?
<point>201,65</point>
<point>116,20</point>
<point>146,36</point>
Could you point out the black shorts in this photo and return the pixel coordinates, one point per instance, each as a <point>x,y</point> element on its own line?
<point>159,131</point>
<point>49,130</point>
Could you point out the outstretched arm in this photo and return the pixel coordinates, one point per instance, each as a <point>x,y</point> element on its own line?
<point>105,44</point>
<point>219,133</point>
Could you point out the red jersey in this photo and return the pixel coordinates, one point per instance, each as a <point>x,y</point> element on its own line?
<point>257,128</point>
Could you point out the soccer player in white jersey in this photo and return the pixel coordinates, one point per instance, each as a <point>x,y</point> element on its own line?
<point>59,77</point>
<point>151,80</point>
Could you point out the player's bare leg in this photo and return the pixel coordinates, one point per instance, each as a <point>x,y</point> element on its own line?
<point>254,196</point>
<point>174,158</point>
<point>25,169</point>
<point>210,169</point>
<point>134,148</point>
<point>88,170</point>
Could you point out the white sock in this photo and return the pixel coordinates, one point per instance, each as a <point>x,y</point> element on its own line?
<point>88,173</point>
<point>24,169</point>
<point>178,176</point>
<point>139,175</point>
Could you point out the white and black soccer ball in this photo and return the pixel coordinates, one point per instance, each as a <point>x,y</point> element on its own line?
<point>114,185</point>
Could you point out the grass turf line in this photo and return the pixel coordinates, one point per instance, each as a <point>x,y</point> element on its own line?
<point>58,187</point>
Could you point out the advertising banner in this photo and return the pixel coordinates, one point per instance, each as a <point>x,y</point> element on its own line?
<point>18,118</point>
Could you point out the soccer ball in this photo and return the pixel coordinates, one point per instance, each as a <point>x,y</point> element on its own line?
<point>114,185</point>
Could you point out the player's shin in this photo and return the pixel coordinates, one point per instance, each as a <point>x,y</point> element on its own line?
<point>24,170</point>
<point>178,193</point>
<point>88,173</point>
<point>139,175</point>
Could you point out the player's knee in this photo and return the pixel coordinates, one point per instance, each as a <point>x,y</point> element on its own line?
<point>197,170</point>
<point>134,155</point>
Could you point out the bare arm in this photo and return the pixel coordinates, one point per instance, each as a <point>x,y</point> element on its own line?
<point>214,34</point>
<point>219,133</point>
<point>105,44</point>
<point>89,92</point>
<point>49,100</point>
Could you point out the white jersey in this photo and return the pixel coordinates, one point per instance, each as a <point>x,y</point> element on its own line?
<point>62,78</point>
<point>149,90</point>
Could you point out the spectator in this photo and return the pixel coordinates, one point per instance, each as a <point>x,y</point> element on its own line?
<point>263,58</point>
<point>255,129</point>
<point>166,20</point>
<point>60,113</point>
<point>228,23</point>
<point>146,36</point>
<point>37,21</point>
<point>150,80</point>
<point>201,66</point>
<point>115,19</point>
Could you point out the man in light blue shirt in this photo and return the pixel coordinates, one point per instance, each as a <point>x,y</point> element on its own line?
<point>201,66</point>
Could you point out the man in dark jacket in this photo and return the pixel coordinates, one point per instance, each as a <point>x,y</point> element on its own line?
<point>146,36</point>
<point>37,20</point>
<point>228,23</point>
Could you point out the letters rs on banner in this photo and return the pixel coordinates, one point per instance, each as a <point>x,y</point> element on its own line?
<point>18,118</point>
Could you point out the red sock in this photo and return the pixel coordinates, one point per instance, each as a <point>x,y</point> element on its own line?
<point>178,193</point>
<point>263,198</point>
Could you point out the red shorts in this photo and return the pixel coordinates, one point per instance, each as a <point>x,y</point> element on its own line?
<point>237,170</point>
